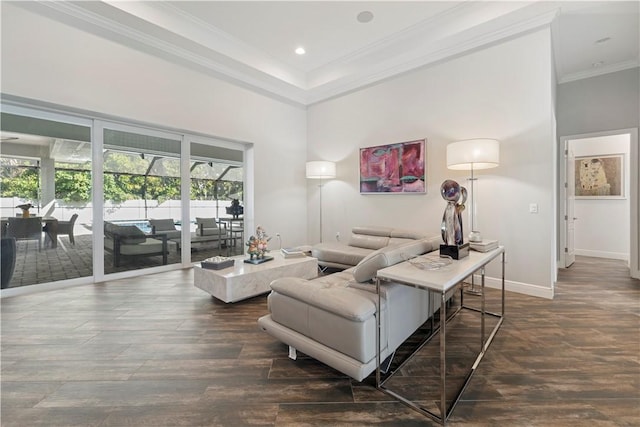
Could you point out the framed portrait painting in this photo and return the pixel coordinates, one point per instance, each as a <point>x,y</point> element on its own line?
<point>600,177</point>
<point>398,168</point>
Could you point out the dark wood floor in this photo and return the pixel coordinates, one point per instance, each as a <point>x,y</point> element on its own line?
<point>155,351</point>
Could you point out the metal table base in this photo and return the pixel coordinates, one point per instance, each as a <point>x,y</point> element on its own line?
<point>485,342</point>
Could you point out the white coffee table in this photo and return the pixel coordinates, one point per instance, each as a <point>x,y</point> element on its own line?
<point>244,280</point>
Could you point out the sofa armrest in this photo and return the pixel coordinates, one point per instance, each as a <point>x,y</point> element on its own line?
<point>349,303</point>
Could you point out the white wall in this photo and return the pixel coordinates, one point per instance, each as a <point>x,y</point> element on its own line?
<point>602,228</point>
<point>502,92</point>
<point>66,66</point>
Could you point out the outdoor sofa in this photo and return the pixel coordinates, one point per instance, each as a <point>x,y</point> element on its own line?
<point>130,241</point>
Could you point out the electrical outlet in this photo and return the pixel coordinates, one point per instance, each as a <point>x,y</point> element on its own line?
<point>533,208</point>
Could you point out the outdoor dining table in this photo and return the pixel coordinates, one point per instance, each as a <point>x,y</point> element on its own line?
<point>237,233</point>
<point>50,229</point>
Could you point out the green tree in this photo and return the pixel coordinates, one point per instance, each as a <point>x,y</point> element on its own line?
<point>73,182</point>
<point>22,182</point>
<point>73,186</point>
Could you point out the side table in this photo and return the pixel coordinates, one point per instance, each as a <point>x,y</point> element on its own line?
<point>440,282</point>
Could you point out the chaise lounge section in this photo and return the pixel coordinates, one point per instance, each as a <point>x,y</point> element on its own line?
<point>332,318</point>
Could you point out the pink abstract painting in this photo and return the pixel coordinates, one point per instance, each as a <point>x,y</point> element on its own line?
<point>393,168</point>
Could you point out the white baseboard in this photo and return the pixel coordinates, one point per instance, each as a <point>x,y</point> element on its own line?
<point>519,287</point>
<point>603,254</point>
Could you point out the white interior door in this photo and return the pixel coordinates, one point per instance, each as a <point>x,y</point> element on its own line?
<point>570,193</point>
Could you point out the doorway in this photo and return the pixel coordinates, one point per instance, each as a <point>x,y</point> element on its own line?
<point>598,196</point>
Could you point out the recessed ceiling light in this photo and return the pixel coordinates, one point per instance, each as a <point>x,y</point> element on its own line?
<point>365,16</point>
<point>602,40</point>
<point>300,51</point>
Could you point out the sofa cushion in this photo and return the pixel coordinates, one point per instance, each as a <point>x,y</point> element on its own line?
<point>149,246</point>
<point>129,234</point>
<point>339,253</point>
<point>368,242</point>
<point>390,255</point>
<point>165,226</point>
<point>162,224</point>
<point>372,230</point>
<point>407,234</point>
<point>207,222</point>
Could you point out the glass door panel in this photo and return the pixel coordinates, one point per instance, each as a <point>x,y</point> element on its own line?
<point>216,207</point>
<point>45,167</point>
<point>141,181</point>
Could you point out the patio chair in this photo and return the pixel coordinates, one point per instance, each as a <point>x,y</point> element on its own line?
<point>168,228</point>
<point>66,227</point>
<point>25,229</point>
<point>8,263</point>
<point>210,230</point>
<point>208,227</point>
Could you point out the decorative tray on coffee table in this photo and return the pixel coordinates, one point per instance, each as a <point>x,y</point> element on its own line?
<point>217,263</point>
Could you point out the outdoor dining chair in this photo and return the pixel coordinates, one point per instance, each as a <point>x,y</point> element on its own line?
<point>25,229</point>
<point>66,227</point>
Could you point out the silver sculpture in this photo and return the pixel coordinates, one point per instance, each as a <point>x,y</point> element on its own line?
<point>451,227</point>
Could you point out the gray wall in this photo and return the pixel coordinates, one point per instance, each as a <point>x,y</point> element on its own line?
<point>607,102</point>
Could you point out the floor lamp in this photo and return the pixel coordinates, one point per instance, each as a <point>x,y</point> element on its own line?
<point>321,170</point>
<point>473,154</point>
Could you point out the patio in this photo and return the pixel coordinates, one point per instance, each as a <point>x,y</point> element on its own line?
<point>68,261</point>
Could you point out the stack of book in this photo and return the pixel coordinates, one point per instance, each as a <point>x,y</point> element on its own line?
<point>292,253</point>
<point>484,246</point>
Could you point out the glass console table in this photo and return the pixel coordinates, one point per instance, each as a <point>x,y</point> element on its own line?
<point>441,282</point>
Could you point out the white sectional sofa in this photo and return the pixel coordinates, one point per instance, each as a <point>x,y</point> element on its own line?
<point>332,318</point>
<point>362,242</point>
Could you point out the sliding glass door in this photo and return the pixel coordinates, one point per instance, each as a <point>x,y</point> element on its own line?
<point>103,198</point>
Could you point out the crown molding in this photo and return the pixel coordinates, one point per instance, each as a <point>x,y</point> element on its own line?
<point>599,71</point>
<point>168,16</point>
<point>221,67</point>
<point>428,54</point>
<point>198,45</point>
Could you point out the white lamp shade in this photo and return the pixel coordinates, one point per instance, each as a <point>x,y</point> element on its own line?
<point>321,170</point>
<point>473,154</point>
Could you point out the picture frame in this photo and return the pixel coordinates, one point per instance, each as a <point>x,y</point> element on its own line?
<point>599,177</point>
<point>397,168</point>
